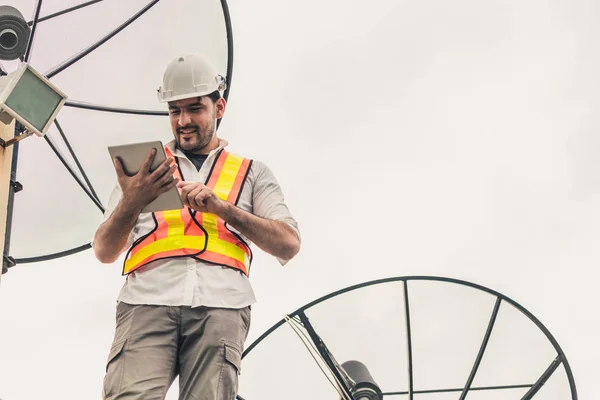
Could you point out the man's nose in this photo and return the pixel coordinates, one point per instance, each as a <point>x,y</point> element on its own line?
<point>184,118</point>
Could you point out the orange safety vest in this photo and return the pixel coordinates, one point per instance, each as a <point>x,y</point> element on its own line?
<point>203,236</point>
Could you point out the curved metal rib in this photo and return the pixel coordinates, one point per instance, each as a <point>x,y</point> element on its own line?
<point>64,138</point>
<point>229,33</point>
<point>66,64</point>
<point>473,389</point>
<point>28,260</point>
<point>98,107</point>
<point>65,11</point>
<point>68,167</point>
<point>38,7</point>
<point>484,344</point>
<point>542,379</point>
<point>408,341</point>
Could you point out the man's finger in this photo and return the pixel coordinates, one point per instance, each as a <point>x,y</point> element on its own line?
<point>165,177</point>
<point>148,162</point>
<point>185,190</point>
<point>160,171</point>
<point>165,168</point>
<point>191,195</point>
<point>169,185</point>
<point>202,197</point>
<point>185,199</point>
<point>183,184</point>
<point>119,167</point>
<point>196,198</point>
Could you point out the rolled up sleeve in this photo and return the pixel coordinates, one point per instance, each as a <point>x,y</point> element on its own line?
<point>268,199</point>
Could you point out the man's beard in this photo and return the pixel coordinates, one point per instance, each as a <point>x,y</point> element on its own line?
<point>201,137</point>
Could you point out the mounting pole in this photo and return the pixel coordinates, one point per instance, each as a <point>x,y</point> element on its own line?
<point>7,189</point>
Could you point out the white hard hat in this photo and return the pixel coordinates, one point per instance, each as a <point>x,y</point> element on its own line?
<point>189,75</point>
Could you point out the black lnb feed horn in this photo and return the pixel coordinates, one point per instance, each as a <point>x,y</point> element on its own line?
<point>364,386</point>
<point>14,33</point>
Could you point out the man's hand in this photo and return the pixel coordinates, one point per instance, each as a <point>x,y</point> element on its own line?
<point>138,191</point>
<point>275,237</point>
<point>198,197</point>
<point>144,187</point>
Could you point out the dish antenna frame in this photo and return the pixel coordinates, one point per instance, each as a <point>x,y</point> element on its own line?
<point>333,366</point>
<point>9,154</point>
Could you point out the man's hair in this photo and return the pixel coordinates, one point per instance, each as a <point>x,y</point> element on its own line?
<point>214,96</point>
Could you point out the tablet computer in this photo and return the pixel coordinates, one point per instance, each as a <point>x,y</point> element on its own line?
<point>132,156</point>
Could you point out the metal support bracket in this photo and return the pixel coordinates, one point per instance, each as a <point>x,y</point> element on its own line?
<point>7,262</point>
<point>6,143</point>
<point>17,186</point>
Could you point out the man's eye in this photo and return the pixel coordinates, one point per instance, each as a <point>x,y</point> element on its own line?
<point>195,109</point>
<point>174,111</point>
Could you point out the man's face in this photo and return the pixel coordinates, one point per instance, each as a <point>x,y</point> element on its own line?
<point>193,123</point>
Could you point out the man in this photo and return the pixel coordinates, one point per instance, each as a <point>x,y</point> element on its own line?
<point>184,309</point>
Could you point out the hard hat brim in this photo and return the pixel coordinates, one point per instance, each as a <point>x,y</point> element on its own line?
<point>182,96</point>
<point>174,96</point>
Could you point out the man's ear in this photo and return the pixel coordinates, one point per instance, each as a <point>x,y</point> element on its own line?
<point>220,106</point>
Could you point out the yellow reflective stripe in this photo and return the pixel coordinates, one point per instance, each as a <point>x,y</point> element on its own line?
<point>173,219</point>
<point>164,245</point>
<point>223,186</point>
<point>226,249</point>
<point>209,222</point>
<point>227,177</point>
<point>214,245</point>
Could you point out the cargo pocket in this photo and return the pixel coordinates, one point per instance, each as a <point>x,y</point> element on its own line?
<point>114,370</point>
<point>230,369</point>
<point>233,355</point>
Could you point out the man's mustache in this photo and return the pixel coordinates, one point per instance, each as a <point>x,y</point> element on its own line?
<point>187,127</point>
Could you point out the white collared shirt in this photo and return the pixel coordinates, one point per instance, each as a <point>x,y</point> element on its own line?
<point>190,282</point>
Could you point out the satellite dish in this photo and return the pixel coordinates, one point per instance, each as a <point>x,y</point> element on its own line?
<point>421,337</point>
<point>64,178</point>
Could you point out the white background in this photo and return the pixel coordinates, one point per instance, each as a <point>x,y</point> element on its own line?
<point>430,137</point>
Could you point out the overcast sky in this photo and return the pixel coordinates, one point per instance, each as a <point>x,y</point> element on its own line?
<point>456,139</point>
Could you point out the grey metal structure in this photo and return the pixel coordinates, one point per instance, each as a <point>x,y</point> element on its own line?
<point>533,387</point>
<point>84,183</point>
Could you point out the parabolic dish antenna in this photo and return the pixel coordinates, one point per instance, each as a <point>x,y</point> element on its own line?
<point>417,337</point>
<point>110,70</point>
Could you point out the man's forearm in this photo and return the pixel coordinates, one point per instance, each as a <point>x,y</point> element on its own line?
<point>275,237</point>
<point>111,237</point>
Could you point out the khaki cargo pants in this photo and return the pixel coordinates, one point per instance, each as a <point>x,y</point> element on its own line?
<point>154,344</point>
